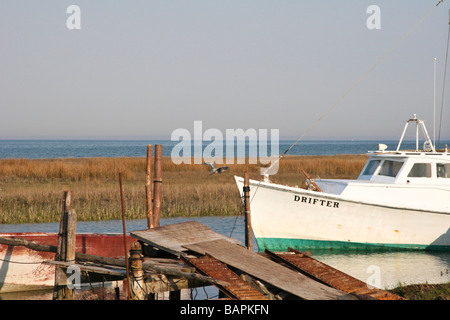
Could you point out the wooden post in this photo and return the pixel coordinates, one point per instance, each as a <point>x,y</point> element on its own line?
<point>125,247</point>
<point>71,239</point>
<point>66,207</point>
<point>66,247</point>
<point>137,283</point>
<point>248,224</point>
<point>148,189</point>
<point>71,236</point>
<point>157,182</point>
<point>67,201</point>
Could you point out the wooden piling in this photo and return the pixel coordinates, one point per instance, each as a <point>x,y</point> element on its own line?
<point>148,189</point>
<point>124,237</point>
<point>248,224</point>
<point>71,236</point>
<point>137,282</point>
<point>66,247</point>
<point>66,207</point>
<point>157,182</point>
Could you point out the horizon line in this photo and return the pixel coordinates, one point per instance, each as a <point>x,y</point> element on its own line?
<point>169,140</point>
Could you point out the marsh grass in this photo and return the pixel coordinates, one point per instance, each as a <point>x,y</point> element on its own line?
<point>31,190</point>
<point>423,291</point>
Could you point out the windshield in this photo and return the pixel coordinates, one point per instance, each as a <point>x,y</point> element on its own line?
<point>390,168</point>
<point>372,165</point>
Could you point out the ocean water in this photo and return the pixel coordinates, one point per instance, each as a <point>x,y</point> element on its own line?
<point>50,149</point>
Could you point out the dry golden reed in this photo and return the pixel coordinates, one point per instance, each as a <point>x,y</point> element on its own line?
<point>31,190</point>
<point>70,169</point>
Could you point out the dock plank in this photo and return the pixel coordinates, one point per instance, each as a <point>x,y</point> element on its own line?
<point>267,270</point>
<point>331,276</point>
<point>172,238</point>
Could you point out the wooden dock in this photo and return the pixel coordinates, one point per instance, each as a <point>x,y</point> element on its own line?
<point>267,270</point>
<point>251,275</point>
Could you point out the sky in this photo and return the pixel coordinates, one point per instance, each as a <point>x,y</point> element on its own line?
<point>143,69</point>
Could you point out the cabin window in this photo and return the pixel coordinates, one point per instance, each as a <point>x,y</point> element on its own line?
<point>390,168</point>
<point>420,170</point>
<point>443,170</point>
<point>371,167</point>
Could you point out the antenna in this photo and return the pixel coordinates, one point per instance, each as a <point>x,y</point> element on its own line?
<point>434,103</point>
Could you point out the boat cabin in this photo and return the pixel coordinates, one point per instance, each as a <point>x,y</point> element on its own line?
<point>410,178</point>
<point>407,167</point>
<point>423,166</point>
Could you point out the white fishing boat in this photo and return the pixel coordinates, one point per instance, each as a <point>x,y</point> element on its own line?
<point>401,200</point>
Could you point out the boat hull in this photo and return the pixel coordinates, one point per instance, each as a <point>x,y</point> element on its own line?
<point>284,217</point>
<point>21,269</point>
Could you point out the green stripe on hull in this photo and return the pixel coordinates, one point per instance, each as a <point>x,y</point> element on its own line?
<point>280,244</point>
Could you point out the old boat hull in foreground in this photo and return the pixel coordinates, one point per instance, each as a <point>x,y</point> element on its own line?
<point>21,269</point>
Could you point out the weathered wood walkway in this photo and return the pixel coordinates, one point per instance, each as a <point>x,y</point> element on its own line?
<point>173,238</point>
<point>225,259</point>
<point>180,239</point>
<point>267,270</point>
<point>328,275</point>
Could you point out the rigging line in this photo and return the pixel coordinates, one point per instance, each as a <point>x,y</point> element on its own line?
<point>389,52</point>
<point>443,85</point>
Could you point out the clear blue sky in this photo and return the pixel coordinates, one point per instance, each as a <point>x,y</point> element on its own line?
<point>145,68</point>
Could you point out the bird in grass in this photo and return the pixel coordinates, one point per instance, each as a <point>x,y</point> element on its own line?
<point>214,169</point>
